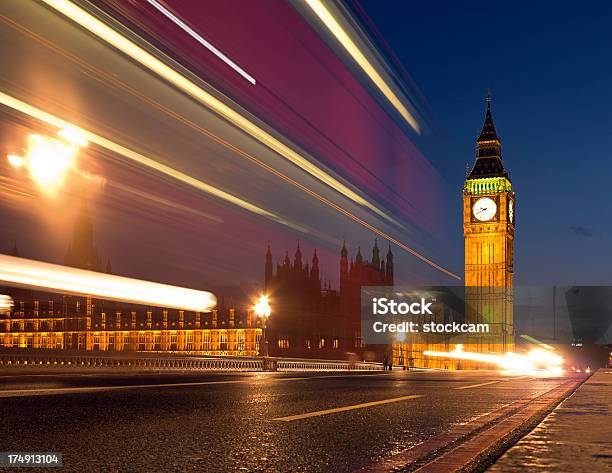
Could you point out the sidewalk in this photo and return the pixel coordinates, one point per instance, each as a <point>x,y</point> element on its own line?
<point>575,437</point>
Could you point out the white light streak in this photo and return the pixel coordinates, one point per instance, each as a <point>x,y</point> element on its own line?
<point>131,49</point>
<point>344,39</point>
<point>6,303</point>
<point>56,278</point>
<point>148,60</point>
<point>536,362</point>
<point>181,24</point>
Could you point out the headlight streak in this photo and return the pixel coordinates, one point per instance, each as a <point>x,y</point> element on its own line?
<point>536,361</point>
<point>344,39</point>
<point>145,58</point>
<point>38,275</point>
<point>181,24</point>
<point>110,78</point>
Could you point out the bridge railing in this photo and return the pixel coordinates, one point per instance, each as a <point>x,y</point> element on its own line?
<point>156,362</point>
<point>299,364</point>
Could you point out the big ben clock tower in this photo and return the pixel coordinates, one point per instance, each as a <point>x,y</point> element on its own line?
<point>488,227</point>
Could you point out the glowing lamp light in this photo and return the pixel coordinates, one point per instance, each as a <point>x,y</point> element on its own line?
<point>48,160</point>
<point>15,161</point>
<point>56,278</point>
<point>262,307</point>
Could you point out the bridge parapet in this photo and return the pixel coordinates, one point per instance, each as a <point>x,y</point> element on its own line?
<point>153,362</point>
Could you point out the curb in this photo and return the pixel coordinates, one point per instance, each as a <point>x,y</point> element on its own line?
<point>476,445</point>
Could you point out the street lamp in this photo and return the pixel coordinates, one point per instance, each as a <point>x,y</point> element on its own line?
<point>49,159</point>
<point>263,311</point>
<point>401,337</point>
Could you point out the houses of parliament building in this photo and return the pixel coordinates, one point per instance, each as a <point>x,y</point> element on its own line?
<point>41,320</point>
<point>315,320</point>
<point>310,318</point>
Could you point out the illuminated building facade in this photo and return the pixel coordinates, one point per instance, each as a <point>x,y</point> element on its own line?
<point>42,320</point>
<point>63,322</point>
<point>488,227</point>
<point>312,320</point>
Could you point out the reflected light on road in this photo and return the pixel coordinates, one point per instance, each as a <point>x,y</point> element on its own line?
<point>52,277</point>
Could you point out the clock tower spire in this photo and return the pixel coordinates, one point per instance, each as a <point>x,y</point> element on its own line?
<point>488,150</point>
<point>488,227</point>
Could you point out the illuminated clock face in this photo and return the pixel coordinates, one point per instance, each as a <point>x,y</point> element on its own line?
<point>484,209</point>
<point>511,211</point>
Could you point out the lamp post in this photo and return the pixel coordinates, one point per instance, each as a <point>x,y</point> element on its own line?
<point>401,337</point>
<point>263,311</point>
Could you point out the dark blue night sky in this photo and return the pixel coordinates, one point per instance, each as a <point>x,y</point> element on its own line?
<point>548,65</point>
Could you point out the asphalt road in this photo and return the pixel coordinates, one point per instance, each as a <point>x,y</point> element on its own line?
<point>243,422</point>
